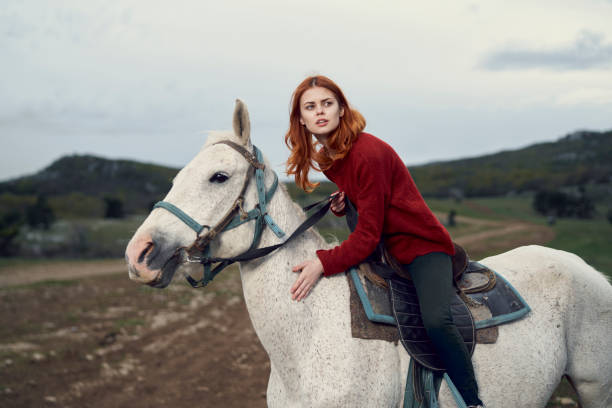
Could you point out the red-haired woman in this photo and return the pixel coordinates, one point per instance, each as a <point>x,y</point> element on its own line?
<point>326,134</point>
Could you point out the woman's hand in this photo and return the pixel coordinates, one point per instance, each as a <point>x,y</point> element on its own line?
<point>337,205</point>
<point>311,271</point>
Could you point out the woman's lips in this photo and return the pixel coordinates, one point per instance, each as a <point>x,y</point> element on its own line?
<point>322,123</point>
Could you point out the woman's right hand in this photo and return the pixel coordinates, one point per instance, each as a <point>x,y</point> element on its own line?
<point>337,204</point>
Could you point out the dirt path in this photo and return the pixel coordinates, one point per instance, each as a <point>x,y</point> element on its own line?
<point>25,274</point>
<point>476,238</point>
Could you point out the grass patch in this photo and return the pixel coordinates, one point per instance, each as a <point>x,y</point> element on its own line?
<point>494,208</point>
<point>589,239</point>
<point>332,235</point>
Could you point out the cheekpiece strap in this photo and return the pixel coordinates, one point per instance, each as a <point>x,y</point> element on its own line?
<point>263,199</point>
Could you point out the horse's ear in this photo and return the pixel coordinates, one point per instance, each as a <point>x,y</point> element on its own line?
<point>242,124</point>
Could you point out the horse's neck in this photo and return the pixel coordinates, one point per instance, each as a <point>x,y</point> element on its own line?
<point>273,272</point>
<point>266,282</point>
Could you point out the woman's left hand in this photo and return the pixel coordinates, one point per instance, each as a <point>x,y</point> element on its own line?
<point>337,202</point>
<point>311,271</point>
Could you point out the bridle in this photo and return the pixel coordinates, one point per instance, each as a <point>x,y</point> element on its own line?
<point>199,250</point>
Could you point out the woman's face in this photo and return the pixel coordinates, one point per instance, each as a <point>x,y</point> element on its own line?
<point>320,111</point>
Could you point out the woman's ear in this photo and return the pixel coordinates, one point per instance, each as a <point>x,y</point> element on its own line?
<point>342,111</point>
<point>301,121</point>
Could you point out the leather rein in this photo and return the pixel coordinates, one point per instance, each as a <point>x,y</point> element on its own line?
<point>199,250</point>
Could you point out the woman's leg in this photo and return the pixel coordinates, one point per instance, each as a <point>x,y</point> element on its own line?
<point>432,275</point>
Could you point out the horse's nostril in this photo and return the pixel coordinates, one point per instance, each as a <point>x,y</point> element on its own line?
<point>144,252</point>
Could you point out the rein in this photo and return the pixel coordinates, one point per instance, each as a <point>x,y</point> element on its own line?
<point>235,217</point>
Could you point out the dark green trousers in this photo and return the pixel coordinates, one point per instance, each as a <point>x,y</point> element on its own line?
<point>432,275</point>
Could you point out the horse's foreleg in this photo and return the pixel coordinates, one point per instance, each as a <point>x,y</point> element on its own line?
<point>276,395</point>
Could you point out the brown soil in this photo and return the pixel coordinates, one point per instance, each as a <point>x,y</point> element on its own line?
<point>108,342</point>
<point>58,271</point>
<point>92,338</point>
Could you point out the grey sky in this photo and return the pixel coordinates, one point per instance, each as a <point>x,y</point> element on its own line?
<point>145,80</point>
<point>588,51</point>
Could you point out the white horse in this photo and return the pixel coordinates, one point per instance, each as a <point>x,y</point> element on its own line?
<point>314,360</point>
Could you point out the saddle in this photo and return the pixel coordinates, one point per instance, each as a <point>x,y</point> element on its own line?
<point>489,298</point>
<point>384,306</point>
<point>383,295</point>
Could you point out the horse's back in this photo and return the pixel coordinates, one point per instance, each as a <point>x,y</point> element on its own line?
<point>569,330</point>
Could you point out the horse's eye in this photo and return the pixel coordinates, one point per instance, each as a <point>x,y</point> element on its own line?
<point>219,178</point>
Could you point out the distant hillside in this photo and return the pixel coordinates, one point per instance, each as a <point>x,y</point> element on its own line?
<point>580,158</point>
<point>73,180</point>
<point>76,185</point>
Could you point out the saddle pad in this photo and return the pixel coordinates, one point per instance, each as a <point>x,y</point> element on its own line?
<point>504,302</point>
<point>370,306</point>
<point>412,331</point>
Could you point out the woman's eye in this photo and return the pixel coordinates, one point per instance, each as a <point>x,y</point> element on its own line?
<point>219,177</point>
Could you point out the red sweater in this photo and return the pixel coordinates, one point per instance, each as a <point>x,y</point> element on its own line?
<point>376,180</point>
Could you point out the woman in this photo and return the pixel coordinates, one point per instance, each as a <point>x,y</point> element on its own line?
<point>326,134</point>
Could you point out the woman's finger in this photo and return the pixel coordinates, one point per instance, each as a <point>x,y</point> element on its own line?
<point>299,267</point>
<point>299,295</point>
<point>296,284</point>
<point>303,289</point>
<point>337,206</point>
<point>303,286</point>
<point>303,293</point>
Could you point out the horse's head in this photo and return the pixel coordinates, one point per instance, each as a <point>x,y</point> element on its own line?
<point>205,189</point>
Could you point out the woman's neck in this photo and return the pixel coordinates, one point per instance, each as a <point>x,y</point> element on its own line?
<point>323,140</point>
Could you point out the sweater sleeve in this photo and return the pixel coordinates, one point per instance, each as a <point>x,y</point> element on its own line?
<point>371,200</point>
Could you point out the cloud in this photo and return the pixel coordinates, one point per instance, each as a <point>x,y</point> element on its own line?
<point>589,50</point>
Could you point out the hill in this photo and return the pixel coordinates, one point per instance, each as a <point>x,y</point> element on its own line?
<point>78,184</point>
<point>582,158</point>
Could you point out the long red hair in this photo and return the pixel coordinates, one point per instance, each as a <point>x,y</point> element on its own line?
<point>306,151</point>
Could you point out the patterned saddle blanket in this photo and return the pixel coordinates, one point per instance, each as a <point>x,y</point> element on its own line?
<point>378,312</point>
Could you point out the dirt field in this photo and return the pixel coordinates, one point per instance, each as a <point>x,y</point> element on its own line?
<point>107,342</point>
<point>83,335</point>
